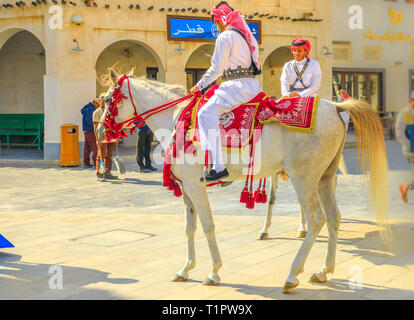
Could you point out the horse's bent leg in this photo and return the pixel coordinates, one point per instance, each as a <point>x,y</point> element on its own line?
<point>198,197</point>
<point>190,228</point>
<point>307,196</point>
<point>328,201</point>
<point>302,226</point>
<point>263,234</point>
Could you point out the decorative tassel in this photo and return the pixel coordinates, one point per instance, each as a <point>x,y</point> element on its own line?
<point>244,195</point>
<point>250,200</point>
<point>258,193</point>
<point>177,191</point>
<point>263,196</point>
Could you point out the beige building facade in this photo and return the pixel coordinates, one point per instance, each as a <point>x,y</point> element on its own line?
<point>54,68</point>
<point>373,46</point>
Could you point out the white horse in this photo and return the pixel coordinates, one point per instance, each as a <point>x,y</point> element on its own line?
<point>310,159</point>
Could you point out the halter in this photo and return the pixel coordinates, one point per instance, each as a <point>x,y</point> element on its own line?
<point>114,130</point>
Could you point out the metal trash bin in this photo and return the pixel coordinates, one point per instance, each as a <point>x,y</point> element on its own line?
<point>69,146</point>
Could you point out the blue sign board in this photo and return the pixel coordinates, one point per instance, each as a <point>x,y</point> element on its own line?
<point>201,29</point>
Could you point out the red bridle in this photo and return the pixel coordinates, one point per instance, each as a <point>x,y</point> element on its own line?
<point>114,130</point>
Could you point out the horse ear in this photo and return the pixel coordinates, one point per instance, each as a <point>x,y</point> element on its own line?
<point>113,76</point>
<point>131,73</point>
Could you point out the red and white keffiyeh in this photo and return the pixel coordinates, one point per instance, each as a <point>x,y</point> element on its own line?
<point>226,15</point>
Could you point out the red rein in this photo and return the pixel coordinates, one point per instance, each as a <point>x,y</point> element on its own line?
<point>115,130</point>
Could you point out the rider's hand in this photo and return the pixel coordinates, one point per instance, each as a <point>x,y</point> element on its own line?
<point>294,95</point>
<point>194,90</point>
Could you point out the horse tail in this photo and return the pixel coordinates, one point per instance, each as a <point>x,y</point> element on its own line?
<point>373,158</point>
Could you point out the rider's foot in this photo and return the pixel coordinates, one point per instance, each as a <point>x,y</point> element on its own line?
<point>215,176</point>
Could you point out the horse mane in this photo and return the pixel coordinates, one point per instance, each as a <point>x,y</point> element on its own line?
<point>161,88</point>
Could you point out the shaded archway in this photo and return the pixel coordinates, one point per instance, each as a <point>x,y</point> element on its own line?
<point>22,66</point>
<point>127,54</point>
<point>198,63</point>
<point>272,70</point>
<point>123,56</point>
<point>22,69</point>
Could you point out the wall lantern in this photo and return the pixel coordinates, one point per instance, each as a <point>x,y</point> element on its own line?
<point>78,20</point>
<point>327,52</point>
<point>77,48</point>
<point>179,48</point>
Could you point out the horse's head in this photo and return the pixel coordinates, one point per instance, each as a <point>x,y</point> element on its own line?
<point>125,106</point>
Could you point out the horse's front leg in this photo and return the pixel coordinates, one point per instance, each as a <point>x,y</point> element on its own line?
<point>263,234</point>
<point>190,228</point>
<point>196,191</point>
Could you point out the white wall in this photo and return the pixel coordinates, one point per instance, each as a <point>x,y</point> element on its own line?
<point>376,18</point>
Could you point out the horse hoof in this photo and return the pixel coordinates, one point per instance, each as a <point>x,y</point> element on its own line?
<point>178,278</point>
<point>301,234</point>
<point>318,278</point>
<point>289,286</point>
<point>211,282</point>
<point>262,236</point>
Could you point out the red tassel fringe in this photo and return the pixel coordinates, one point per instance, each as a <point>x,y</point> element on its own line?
<point>250,200</point>
<point>244,195</point>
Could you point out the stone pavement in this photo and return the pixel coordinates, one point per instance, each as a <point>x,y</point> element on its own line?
<point>126,239</point>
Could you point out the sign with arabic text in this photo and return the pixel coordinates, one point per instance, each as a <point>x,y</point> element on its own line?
<point>201,29</point>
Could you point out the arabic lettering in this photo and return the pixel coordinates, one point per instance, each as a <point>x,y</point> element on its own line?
<point>395,36</point>
<point>190,30</point>
<point>396,17</point>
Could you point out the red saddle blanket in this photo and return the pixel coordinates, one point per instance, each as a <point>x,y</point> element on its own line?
<point>237,126</point>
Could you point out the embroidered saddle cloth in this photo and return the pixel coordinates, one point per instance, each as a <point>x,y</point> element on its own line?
<point>298,114</point>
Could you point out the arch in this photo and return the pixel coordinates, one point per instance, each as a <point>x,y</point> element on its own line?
<point>272,70</point>
<point>23,65</point>
<point>125,55</point>
<point>197,63</point>
<point>128,53</point>
<point>6,34</point>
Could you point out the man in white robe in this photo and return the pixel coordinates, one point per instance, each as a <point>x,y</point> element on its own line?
<point>301,77</point>
<point>236,49</point>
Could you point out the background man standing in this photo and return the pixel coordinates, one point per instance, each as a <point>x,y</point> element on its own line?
<point>89,133</point>
<point>105,149</point>
<point>144,142</point>
<point>405,135</point>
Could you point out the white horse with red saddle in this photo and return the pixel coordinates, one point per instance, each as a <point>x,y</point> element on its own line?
<point>310,159</point>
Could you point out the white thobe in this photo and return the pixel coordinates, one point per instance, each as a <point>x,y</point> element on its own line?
<point>231,51</point>
<point>311,78</point>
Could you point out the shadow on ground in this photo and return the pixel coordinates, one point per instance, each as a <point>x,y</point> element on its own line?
<point>31,280</point>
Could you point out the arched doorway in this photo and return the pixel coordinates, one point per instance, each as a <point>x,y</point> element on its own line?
<point>198,63</point>
<point>272,70</point>
<point>22,67</point>
<point>123,56</point>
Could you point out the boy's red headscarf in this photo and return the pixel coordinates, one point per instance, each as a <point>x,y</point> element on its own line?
<point>226,15</point>
<point>301,43</point>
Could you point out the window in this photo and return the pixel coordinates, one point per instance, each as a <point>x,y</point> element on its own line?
<point>194,75</point>
<point>152,73</point>
<point>411,81</point>
<point>365,85</point>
